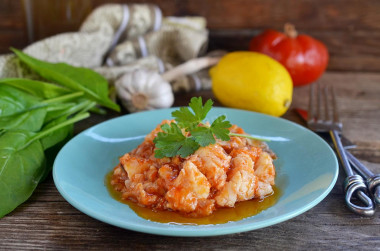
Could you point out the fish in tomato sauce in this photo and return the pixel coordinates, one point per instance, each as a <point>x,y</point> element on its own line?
<point>215,176</point>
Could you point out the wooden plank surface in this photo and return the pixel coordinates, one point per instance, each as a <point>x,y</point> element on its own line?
<point>47,221</point>
<point>358,97</point>
<point>348,50</point>
<point>349,28</point>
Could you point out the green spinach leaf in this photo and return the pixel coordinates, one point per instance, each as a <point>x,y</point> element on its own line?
<point>55,137</point>
<point>22,163</point>
<point>91,83</point>
<point>37,88</point>
<point>55,111</point>
<point>59,135</point>
<point>14,101</point>
<point>30,120</point>
<point>29,113</point>
<point>21,168</point>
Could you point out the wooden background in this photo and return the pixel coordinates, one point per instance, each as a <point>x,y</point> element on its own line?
<point>349,28</point>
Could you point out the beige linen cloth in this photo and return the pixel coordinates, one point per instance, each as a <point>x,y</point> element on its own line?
<point>116,39</point>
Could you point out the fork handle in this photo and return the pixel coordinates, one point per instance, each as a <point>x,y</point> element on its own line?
<point>341,152</point>
<point>372,180</point>
<point>354,184</point>
<point>359,167</point>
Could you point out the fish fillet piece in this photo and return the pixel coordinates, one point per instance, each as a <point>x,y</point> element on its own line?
<point>189,187</point>
<point>213,162</point>
<point>241,184</point>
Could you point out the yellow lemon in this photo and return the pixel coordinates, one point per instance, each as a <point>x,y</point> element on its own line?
<point>252,81</point>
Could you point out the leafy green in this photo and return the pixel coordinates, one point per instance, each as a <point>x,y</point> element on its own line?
<point>47,131</point>
<point>186,119</point>
<point>59,135</point>
<point>36,119</point>
<point>54,138</point>
<point>91,83</point>
<point>14,101</point>
<point>203,136</point>
<point>220,128</point>
<point>22,163</point>
<point>31,120</point>
<point>55,111</point>
<point>21,167</point>
<point>37,88</point>
<point>66,109</point>
<point>28,114</point>
<point>52,151</point>
<point>63,98</point>
<point>172,141</point>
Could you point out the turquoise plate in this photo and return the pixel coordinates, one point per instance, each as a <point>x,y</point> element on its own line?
<point>306,168</point>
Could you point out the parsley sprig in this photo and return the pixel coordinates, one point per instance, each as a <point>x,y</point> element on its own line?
<point>189,132</point>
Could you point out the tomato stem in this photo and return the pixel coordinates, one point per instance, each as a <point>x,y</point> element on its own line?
<point>290,30</point>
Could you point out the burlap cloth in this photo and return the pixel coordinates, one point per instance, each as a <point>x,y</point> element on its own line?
<point>116,39</point>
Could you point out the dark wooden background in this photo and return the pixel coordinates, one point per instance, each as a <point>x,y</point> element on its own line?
<point>349,28</point>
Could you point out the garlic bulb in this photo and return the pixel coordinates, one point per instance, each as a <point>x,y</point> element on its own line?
<point>144,90</point>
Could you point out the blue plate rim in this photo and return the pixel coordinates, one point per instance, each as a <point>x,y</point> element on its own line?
<point>203,231</point>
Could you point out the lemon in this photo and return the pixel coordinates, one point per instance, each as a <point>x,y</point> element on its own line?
<point>252,81</point>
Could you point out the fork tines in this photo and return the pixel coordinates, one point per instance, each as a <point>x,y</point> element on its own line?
<point>321,106</point>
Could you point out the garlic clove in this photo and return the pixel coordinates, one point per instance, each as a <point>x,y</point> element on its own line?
<point>144,90</point>
<point>161,103</point>
<point>140,101</point>
<point>153,79</point>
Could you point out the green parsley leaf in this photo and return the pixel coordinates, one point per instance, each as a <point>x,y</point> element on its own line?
<point>186,119</point>
<point>220,128</point>
<point>200,110</point>
<point>206,135</point>
<point>172,142</point>
<point>169,141</point>
<point>203,136</point>
<point>188,147</point>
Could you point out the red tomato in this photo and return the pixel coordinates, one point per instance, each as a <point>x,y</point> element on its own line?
<point>305,57</point>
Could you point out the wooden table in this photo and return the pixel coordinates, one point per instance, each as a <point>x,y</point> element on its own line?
<point>47,221</point>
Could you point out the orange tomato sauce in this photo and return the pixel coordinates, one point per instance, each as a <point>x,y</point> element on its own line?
<point>243,209</point>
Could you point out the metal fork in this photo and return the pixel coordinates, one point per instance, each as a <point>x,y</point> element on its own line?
<point>321,120</point>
